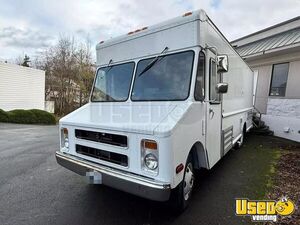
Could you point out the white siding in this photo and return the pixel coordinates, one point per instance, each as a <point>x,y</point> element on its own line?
<point>283,117</point>
<point>21,87</point>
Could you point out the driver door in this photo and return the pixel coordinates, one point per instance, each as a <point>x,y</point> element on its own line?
<point>213,111</point>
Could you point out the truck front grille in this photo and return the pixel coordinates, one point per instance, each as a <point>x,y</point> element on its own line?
<point>103,155</point>
<point>112,139</point>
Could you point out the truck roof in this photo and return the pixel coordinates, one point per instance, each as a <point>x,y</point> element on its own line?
<point>185,18</point>
<point>181,32</point>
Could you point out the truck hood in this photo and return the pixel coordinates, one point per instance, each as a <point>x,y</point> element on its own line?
<point>134,117</point>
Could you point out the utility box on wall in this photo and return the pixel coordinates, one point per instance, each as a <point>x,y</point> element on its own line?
<point>21,87</point>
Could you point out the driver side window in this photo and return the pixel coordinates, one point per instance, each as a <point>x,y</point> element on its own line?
<point>214,79</point>
<point>200,78</point>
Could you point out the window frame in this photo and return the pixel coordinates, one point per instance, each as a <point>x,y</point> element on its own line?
<point>209,91</point>
<point>204,77</point>
<point>271,81</point>
<point>130,83</point>
<point>164,100</point>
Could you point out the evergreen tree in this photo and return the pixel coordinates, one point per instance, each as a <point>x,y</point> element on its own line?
<point>26,60</point>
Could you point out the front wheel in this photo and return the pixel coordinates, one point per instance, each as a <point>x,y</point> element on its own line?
<point>181,195</point>
<point>188,181</point>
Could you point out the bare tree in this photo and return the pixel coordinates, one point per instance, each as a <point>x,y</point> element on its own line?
<point>18,60</point>
<point>69,74</point>
<point>85,71</point>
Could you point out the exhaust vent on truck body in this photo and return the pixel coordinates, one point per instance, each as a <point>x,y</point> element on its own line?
<point>103,155</point>
<point>106,138</point>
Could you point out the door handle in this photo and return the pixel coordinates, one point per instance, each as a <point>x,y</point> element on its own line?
<point>211,113</point>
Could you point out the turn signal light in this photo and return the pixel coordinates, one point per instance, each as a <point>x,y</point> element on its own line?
<point>148,144</point>
<point>65,131</point>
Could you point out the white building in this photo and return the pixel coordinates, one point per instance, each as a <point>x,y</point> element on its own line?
<point>274,55</point>
<point>21,87</point>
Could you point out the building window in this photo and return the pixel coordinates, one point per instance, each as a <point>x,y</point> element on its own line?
<point>279,79</point>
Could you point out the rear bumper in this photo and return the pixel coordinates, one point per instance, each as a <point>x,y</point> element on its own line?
<point>131,183</point>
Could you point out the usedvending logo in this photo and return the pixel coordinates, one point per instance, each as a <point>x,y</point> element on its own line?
<point>262,211</point>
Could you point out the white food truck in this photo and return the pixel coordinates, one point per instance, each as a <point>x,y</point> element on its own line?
<point>166,100</point>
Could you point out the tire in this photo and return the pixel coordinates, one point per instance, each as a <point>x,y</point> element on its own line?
<point>181,195</point>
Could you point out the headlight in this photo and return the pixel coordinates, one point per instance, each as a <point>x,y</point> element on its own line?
<point>149,153</point>
<point>66,145</point>
<point>64,139</point>
<point>151,161</point>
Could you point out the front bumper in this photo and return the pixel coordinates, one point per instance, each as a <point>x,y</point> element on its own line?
<point>131,183</point>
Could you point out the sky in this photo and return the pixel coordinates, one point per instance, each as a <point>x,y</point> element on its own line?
<point>29,27</point>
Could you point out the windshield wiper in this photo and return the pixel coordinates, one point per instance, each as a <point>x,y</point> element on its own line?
<point>109,66</point>
<point>153,62</point>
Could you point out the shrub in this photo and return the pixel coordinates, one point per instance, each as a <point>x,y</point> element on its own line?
<point>3,116</point>
<point>32,116</point>
<point>21,116</point>
<point>43,117</point>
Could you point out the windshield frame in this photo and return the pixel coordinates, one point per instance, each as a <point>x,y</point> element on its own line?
<point>163,56</point>
<point>130,83</point>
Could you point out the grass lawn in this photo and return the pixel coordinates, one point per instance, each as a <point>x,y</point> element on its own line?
<point>272,167</point>
<point>249,172</point>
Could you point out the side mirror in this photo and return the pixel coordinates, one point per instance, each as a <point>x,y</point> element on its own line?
<point>222,88</point>
<point>222,63</point>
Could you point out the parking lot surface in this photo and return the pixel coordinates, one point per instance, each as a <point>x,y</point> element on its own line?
<point>34,189</point>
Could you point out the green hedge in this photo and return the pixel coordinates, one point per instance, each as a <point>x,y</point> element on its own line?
<point>3,116</point>
<point>32,116</point>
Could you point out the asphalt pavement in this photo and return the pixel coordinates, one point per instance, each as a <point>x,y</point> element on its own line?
<point>34,189</point>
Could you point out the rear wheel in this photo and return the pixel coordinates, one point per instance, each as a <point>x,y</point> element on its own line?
<point>181,195</point>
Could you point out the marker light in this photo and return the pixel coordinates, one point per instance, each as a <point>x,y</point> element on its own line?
<point>136,31</point>
<point>179,168</point>
<point>187,14</point>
